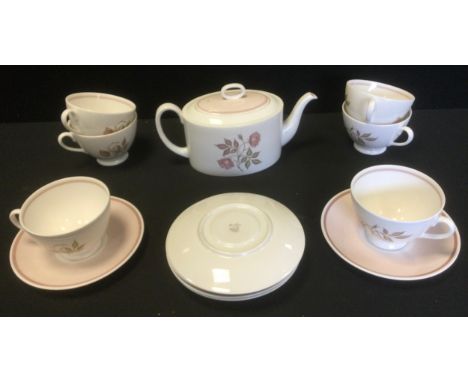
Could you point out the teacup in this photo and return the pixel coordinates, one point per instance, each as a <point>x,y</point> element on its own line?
<point>374,102</point>
<point>373,139</point>
<point>68,217</point>
<point>97,113</point>
<point>109,150</point>
<point>398,204</point>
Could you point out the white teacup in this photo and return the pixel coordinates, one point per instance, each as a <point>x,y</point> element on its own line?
<point>68,217</point>
<point>374,102</point>
<point>373,139</point>
<point>398,204</point>
<point>97,113</point>
<point>109,150</point>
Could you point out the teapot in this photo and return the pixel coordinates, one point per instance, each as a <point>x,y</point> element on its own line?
<point>234,131</point>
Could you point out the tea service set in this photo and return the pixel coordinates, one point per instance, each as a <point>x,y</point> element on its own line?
<point>235,246</point>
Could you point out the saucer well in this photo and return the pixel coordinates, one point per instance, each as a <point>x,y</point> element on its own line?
<point>34,266</point>
<point>235,244</point>
<point>420,259</point>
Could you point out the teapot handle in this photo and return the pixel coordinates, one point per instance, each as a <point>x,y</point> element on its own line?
<point>182,151</point>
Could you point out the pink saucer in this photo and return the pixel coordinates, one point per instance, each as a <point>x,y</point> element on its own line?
<point>421,259</point>
<point>34,266</point>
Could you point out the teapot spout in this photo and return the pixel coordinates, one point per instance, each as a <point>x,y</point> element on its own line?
<point>292,122</point>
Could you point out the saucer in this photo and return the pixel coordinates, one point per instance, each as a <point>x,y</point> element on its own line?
<point>235,245</point>
<point>420,259</point>
<point>239,297</point>
<point>40,269</point>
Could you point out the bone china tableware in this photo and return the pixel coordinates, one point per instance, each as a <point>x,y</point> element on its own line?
<point>397,204</point>
<point>34,265</point>
<point>239,297</point>
<point>67,217</point>
<point>235,246</point>
<point>97,113</point>
<point>373,139</point>
<point>421,259</point>
<point>109,150</point>
<point>235,131</point>
<point>374,102</point>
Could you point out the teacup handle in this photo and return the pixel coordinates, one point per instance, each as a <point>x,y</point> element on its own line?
<point>182,151</point>
<point>370,110</point>
<point>442,220</point>
<point>410,133</point>
<point>65,119</point>
<point>65,146</point>
<point>14,218</point>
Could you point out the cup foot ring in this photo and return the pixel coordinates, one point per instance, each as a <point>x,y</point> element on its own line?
<point>113,161</point>
<point>368,150</point>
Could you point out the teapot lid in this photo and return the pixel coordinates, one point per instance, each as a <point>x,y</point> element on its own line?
<point>232,106</point>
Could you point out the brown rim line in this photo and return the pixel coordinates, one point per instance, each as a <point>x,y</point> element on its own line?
<point>47,188</point>
<point>95,96</point>
<point>437,190</point>
<point>134,248</point>
<point>334,247</point>
<point>59,183</point>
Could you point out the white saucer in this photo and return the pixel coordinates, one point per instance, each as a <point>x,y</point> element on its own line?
<point>33,265</point>
<point>235,245</point>
<point>239,297</point>
<point>420,259</point>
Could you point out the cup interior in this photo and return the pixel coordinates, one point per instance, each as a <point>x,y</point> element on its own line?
<point>397,193</point>
<point>101,103</point>
<point>64,207</point>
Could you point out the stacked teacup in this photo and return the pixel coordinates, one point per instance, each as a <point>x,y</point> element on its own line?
<point>376,114</point>
<point>103,126</point>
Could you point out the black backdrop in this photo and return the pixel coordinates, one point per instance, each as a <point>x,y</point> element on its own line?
<point>316,165</point>
<point>32,94</point>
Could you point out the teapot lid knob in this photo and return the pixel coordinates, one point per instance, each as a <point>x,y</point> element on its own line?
<point>228,91</point>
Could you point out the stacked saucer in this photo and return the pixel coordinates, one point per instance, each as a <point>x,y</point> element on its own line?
<point>235,246</point>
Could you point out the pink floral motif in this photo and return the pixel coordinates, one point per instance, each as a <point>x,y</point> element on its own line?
<point>238,152</point>
<point>254,139</point>
<point>225,163</point>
